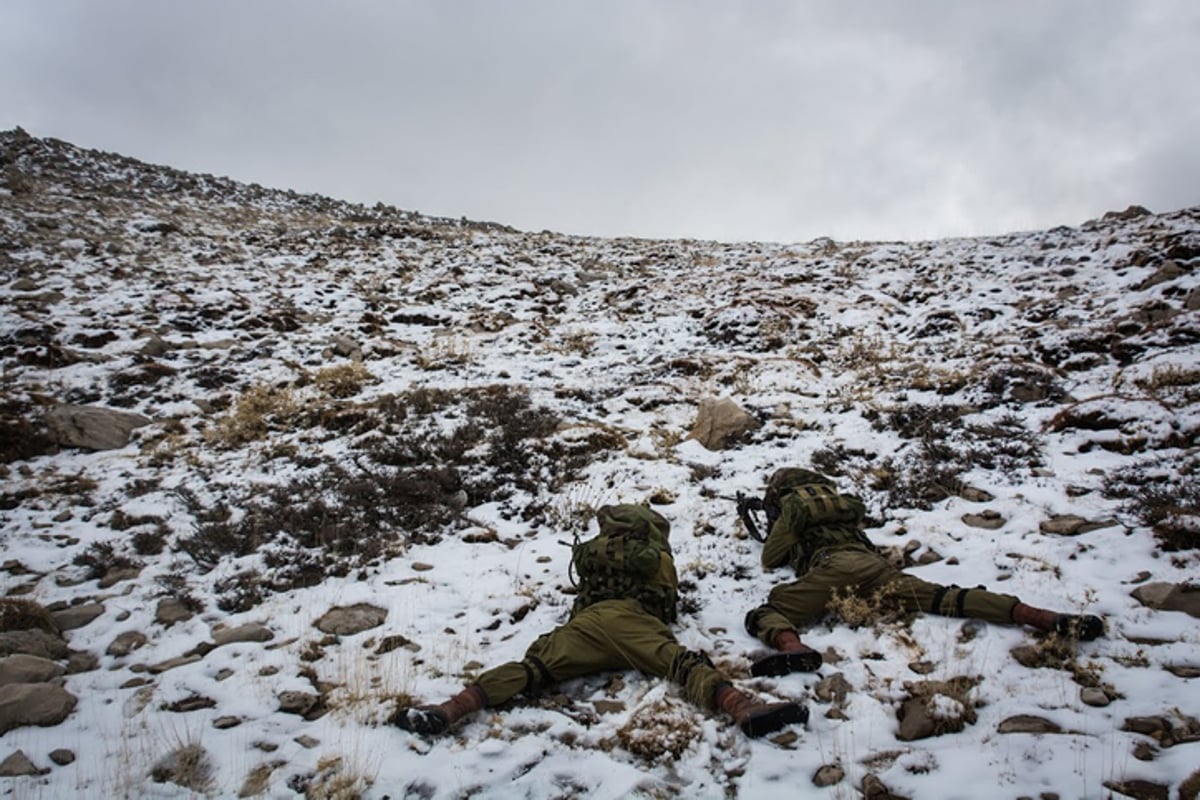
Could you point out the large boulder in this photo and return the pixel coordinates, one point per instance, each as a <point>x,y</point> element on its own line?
<point>1170,597</point>
<point>21,668</point>
<point>34,704</point>
<point>721,423</point>
<point>92,427</point>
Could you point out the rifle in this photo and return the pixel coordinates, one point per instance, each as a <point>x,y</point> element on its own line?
<point>747,508</point>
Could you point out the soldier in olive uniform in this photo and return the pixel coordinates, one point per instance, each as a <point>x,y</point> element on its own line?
<point>627,596</point>
<point>818,532</point>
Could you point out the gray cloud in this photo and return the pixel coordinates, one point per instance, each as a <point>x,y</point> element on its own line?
<point>766,120</point>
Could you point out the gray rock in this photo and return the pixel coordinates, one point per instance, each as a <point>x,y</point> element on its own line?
<point>21,668</point>
<point>1028,723</point>
<point>250,632</point>
<point>828,775</point>
<point>171,610</point>
<point>721,424</point>
<point>346,347</point>
<point>832,689</point>
<point>173,663</point>
<point>16,765</point>
<point>34,704</point>
<point>92,427</point>
<point>126,643</point>
<point>62,756</point>
<point>115,576</point>
<point>298,702</point>
<point>348,620</point>
<point>1164,596</point>
<point>988,520</point>
<point>915,721</point>
<point>34,643</point>
<point>78,616</point>
<point>1094,696</point>
<point>1073,525</point>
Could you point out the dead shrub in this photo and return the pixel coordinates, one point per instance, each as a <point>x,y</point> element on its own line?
<point>260,410</point>
<point>17,614</point>
<point>1163,495</point>
<point>343,380</point>
<point>660,732</point>
<point>101,558</point>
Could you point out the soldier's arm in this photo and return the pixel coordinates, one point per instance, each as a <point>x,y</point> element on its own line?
<point>782,540</point>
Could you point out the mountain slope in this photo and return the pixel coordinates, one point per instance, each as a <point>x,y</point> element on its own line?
<point>339,405</point>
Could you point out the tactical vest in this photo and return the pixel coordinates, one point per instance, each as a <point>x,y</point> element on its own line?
<point>820,518</point>
<point>630,559</point>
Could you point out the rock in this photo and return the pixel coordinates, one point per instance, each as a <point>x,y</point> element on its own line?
<point>62,756</point>
<point>115,576</point>
<point>78,616</point>
<point>1149,726</point>
<point>155,346</point>
<point>81,661</point>
<point>987,519</point>
<point>299,703</point>
<point>18,764</point>
<point>195,702</point>
<point>307,742</point>
<point>34,704</point>
<point>126,643</point>
<point>875,789</point>
<point>349,620</point>
<point>1183,670</point>
<point>828,775</point>
<point>721,423</point>
<point>1063,525</point>
<point>608,706</point>
<point>92,427</point>
<point>34,643</point>
<point>1094,696</point>
<point>1028,723</point>
<point>225,723</point>
<point>346,347</point>
<point>915,721</point>
<point>1169,597</point>
<point>21,668</point>
<point>171,610</point>
<point>420,566</point>
<point>973,495</point>
<point>172,663</point>
<point>1190,788</point>
<point>1139,789</point>
<point>1169,271</point>
<point>832,689</point>
<point>250,632</point>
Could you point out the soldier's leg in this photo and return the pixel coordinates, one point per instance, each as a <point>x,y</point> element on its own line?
<point>914,594</point>
<point>806,600</point>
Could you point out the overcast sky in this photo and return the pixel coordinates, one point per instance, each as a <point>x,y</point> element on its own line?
<point>766,120</point>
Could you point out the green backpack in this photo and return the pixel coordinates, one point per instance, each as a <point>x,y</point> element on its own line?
<point>816,513</point>
<point>629,559</point>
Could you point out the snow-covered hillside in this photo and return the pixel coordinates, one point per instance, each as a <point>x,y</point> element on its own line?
<point>401,419</point>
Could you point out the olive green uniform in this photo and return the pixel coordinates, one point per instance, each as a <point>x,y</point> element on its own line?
<point>626,597</point>
<point>607,635</point>
<point>836,557</point>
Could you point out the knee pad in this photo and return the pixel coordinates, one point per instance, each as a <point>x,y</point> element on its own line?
<point>536,676</point>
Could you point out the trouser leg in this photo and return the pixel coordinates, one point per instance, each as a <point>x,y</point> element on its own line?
<point>915,594</point>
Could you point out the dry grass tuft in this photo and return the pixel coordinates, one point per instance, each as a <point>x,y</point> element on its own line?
<point>260,410</point>
<point>343,380</point>
<point>661,731</point>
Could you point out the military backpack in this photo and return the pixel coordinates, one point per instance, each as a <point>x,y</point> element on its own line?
<point>814,512</point>
<point>629,559</point>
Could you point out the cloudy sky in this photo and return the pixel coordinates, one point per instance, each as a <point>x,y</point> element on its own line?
<point>709,119</point>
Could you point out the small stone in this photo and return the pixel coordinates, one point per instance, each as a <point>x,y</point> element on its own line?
<point>195,702</point>
<point>1028,723</point>
<point>1094,696</point>
<point>172,663</point>
<point>250,632</point>
<point>987,519</point>
<point>171,610</point>
<point>299,703</point>
<point>1139,789</point>
<point>349,620</point>
<point>608,706</point>
<point>973,495</point>
<point>225,723</point>
<point>922,667</point>
<point>16,765</point>
<point>828,775</point>
<point>421,566</point>
<point>1183,671</point>
<point>126,643</point>
<point>62,756</point>
<point>115,576</point>
<point>832,689</point>
<point>307,742</point>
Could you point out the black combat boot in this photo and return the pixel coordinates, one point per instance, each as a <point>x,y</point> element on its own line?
<point>794,656</point>
<point>1084,627</point>
<point>435,719</point>
<point>755,718</point>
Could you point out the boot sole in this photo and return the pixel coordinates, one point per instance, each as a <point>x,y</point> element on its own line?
<point>776,718</point>
<point>785,664</point>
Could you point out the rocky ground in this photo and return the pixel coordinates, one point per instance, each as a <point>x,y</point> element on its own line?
<point>274,463</point>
